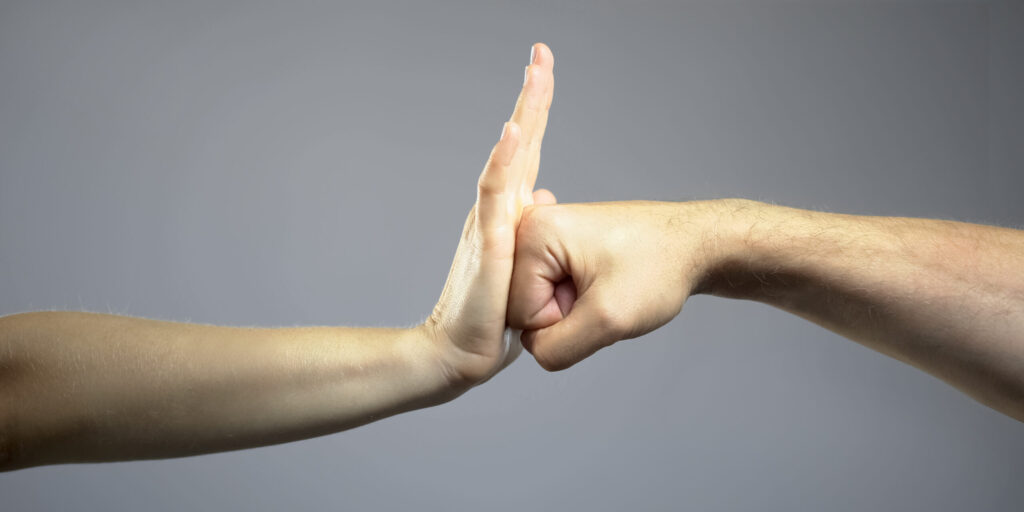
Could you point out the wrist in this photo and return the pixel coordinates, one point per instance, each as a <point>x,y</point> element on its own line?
<point>431,361</point>
<point>745,261</point>
<point>709,237</point>
<point>455,369</point>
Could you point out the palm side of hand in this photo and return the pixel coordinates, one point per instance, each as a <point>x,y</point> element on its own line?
<point>468,322</point>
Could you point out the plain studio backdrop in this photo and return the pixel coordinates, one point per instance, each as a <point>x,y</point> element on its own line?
<point>311,163</point>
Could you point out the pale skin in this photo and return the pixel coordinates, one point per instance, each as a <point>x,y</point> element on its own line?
<point>945,297</point>
<point>81,387</point>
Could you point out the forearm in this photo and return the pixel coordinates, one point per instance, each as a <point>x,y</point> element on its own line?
<point>944,296</point>
<point>87,387</point>
<point>81,387</point>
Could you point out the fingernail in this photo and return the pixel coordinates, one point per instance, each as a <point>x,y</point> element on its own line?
<point>504,131</point>
<point>533,54</point>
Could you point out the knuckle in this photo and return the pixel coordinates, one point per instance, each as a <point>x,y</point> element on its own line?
<point>535,218</point>
<point>528,217</point>
<point>488,185</point>
<point>496,243</point>
<point>550,363</point>
<point>611,321</point>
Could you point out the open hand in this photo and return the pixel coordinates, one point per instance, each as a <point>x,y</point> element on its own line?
<point>468,323</point>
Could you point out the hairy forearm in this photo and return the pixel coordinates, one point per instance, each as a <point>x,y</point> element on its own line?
<point>946,297</point>
<point>78,387</point>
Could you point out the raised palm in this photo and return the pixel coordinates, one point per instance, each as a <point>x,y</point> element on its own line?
<point>468,322</point>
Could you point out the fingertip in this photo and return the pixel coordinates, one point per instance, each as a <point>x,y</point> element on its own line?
<point>541,55</point>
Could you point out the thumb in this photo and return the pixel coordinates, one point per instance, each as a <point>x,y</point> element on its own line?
<point>589,327</point>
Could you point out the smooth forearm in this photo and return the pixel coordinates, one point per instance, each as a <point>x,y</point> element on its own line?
<point>89,387</point>
<point>947,297</point>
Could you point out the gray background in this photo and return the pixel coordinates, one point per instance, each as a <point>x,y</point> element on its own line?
<point>312,162</point>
